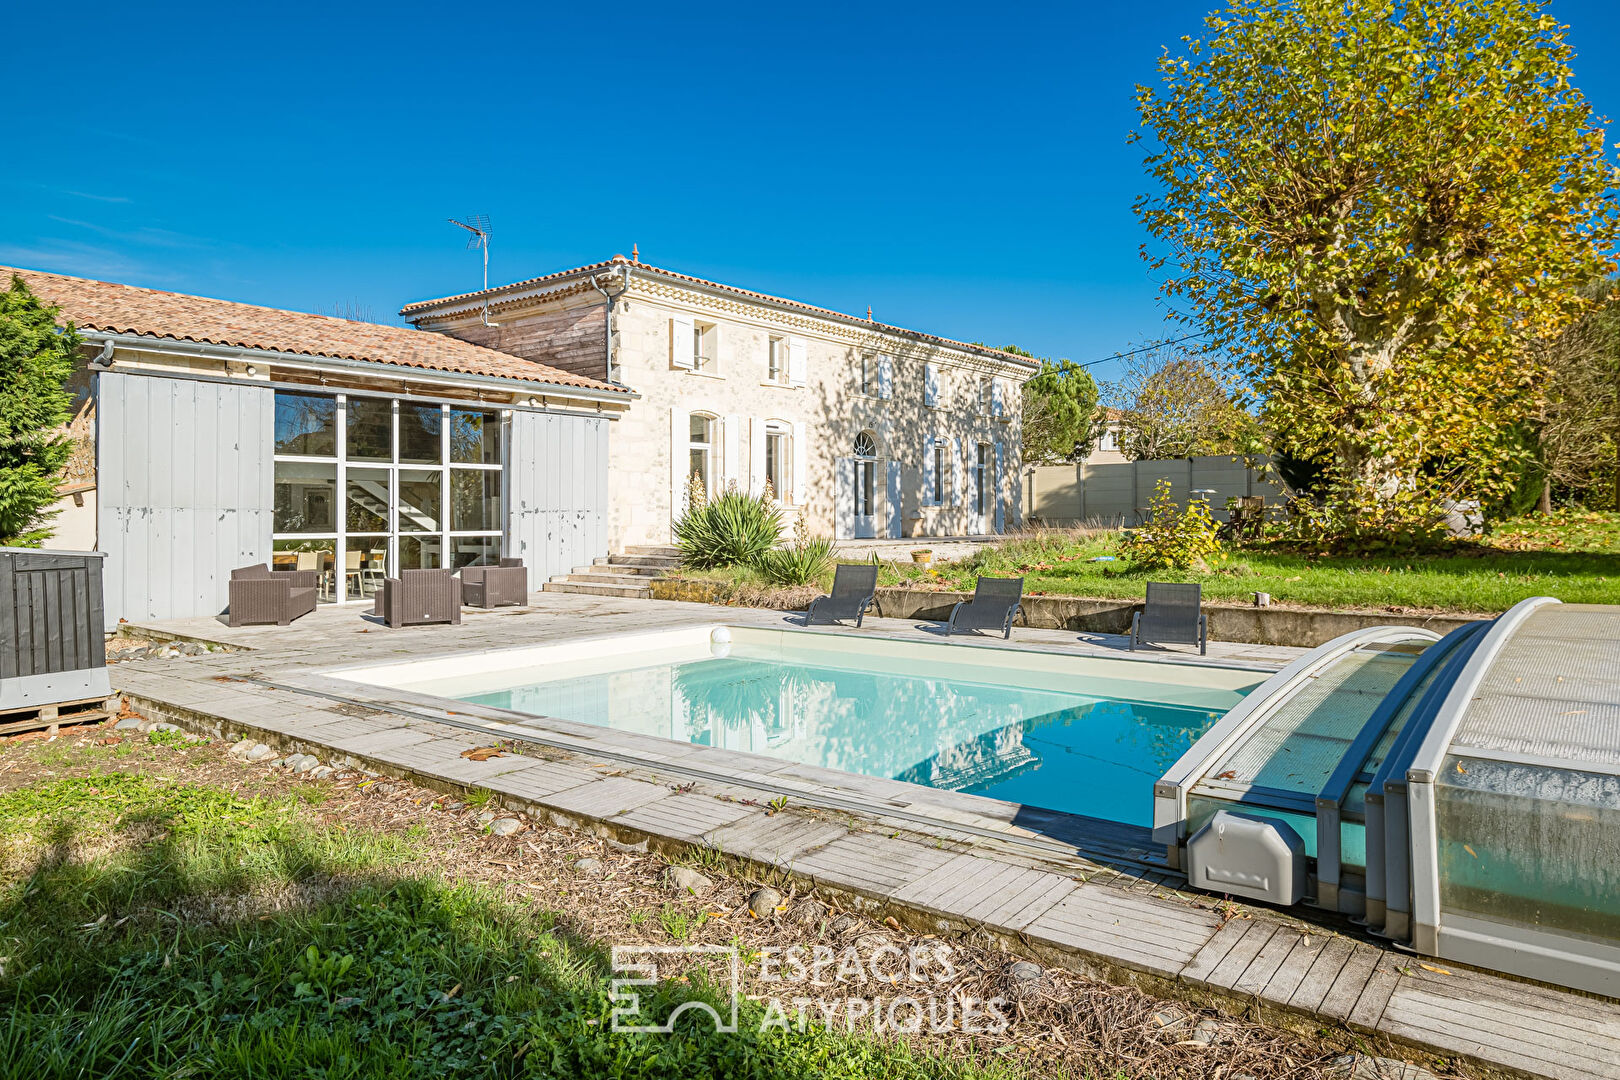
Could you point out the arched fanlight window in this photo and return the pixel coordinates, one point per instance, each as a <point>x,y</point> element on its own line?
<point>865,445</point>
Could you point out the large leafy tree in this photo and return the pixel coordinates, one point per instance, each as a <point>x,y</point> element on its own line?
<point>36,361</point>
<point>1576,424</point>
<point>1373,208</point>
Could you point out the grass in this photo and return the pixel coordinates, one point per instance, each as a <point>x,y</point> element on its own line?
<point>155,928</point>
<point>1573,556</point>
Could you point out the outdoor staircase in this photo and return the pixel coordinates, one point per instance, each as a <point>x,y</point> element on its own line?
<point>622,574</point>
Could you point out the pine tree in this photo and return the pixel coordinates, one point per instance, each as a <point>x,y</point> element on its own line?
<point>36,361</point>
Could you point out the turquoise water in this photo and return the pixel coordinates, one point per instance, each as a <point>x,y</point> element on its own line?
<point>1082,752</point>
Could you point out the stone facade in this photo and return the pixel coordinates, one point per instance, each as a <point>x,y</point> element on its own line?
<point>913,405</point>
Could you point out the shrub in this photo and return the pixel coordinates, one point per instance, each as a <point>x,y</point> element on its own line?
<point>732,529</point>
<point>1173,538</point>
<point>800,563</point>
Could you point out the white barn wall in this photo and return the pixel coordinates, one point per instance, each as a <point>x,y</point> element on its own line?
<point>185,489</point>
<point>557,492</point>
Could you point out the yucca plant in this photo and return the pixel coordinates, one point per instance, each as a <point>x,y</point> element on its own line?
<point>799,563</point>
<point>732,529</point>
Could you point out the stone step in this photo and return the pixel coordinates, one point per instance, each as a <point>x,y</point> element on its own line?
<point>629,581</point>
<point>602,566</point>
<point>665,550</point>
<point>595,590</point>
<point>653,562</point>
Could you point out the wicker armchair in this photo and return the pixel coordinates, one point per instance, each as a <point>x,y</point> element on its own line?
<point>420,597</point>
<point>261,595</point>
<point>493,586</point>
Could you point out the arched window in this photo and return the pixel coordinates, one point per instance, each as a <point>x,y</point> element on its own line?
<point>865,445</point>
<point>701,452</point>
<point>865,484</point>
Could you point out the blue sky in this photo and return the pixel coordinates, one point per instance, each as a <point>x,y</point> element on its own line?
<point>962,170</point>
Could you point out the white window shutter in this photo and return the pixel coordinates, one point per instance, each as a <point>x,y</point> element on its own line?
<point>844,512</point>
<point>928,473</point>
<point>930,385</point>
<point>798,362</point>
<point>756,457</point>
<point>680,341</point>
<point>956,471</point>
<point>801,463</point>
<point>731,437</point>
<point>680,435</point>
<point>995,397</point>
<point>885,377</point>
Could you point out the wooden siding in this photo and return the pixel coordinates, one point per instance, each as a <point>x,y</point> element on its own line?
<point>571,339</point>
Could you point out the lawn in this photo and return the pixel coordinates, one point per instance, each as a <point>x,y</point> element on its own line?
<point>154,927</point>
<point>166,911</point>
<point>1572,556</point>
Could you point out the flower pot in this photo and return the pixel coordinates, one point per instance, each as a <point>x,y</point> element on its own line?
<point>923,557</point>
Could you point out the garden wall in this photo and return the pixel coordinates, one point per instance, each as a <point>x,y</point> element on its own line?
<point>1299,627</point>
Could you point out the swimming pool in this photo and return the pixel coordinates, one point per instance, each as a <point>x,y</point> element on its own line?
<point>1080,734</point>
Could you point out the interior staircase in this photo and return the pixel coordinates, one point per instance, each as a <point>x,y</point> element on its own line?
<point>623,573</point>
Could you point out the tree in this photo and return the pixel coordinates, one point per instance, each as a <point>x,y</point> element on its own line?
<point>36,361</point>
<point>1577,420</point>
<point>1373,208</point>
<point>1061,421</point>
<point>1175,406</point>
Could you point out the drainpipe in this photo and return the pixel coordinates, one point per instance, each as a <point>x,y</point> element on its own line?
<point>610,299</point>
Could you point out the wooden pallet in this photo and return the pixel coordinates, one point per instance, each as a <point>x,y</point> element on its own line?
<point>34,717</point>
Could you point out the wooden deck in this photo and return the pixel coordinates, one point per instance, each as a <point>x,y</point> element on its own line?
<point>1067,890</point>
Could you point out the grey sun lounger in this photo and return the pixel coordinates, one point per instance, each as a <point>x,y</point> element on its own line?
<point>261,595</point>
<point>996,602</point>
<point>1171,616</point>
<point>854,586</point>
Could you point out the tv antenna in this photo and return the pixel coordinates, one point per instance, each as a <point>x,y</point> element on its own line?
<point>477,226</point>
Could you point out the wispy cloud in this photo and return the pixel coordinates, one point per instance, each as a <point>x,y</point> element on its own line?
<point>145,234</point>
<point>78,259</point>
<point>97,198</point>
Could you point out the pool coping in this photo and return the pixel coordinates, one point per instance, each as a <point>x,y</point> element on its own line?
<point>1124,923</point>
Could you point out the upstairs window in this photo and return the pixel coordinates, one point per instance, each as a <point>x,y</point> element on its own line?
<point>776,360</point>
<point>704,336</point>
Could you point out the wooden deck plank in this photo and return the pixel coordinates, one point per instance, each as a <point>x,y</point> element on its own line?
<point>1090,919</point>
<point>777,839</point>
<point>1319,979</point>
<point>1443,1022</point>
<point>1229,970</point>
<point>1351,981</point>
<point>1291,972</point>
<point>607,798</point>
<point>1369,1007</point>
<point>1267,961</point>
<point>1215,949</point>
<point>870,862</point>
<point>685,816</point>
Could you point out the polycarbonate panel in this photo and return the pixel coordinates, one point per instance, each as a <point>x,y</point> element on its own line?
<point>1530,845</point>
<point>1297,747</point>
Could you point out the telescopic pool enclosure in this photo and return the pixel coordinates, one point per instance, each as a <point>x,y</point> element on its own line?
<point>1460,794</point>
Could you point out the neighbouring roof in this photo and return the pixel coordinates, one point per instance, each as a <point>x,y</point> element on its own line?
<point>420,308</point>
<point>109,307</point>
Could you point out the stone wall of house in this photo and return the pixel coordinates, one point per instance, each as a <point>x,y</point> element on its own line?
<point>569,335</point>
<point>649,447</point>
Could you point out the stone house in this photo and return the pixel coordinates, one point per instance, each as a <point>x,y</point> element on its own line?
<point>860,428</point>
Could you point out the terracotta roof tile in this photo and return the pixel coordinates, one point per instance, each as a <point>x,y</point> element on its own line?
<point>640,267</point>
<point>125,309</point>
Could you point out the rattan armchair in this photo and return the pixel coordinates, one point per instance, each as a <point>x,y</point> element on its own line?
<point>420,597</point>
<point>494,586</point>
<point>260,595</point>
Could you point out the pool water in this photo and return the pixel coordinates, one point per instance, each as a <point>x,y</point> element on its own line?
<point>1091,743</point>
